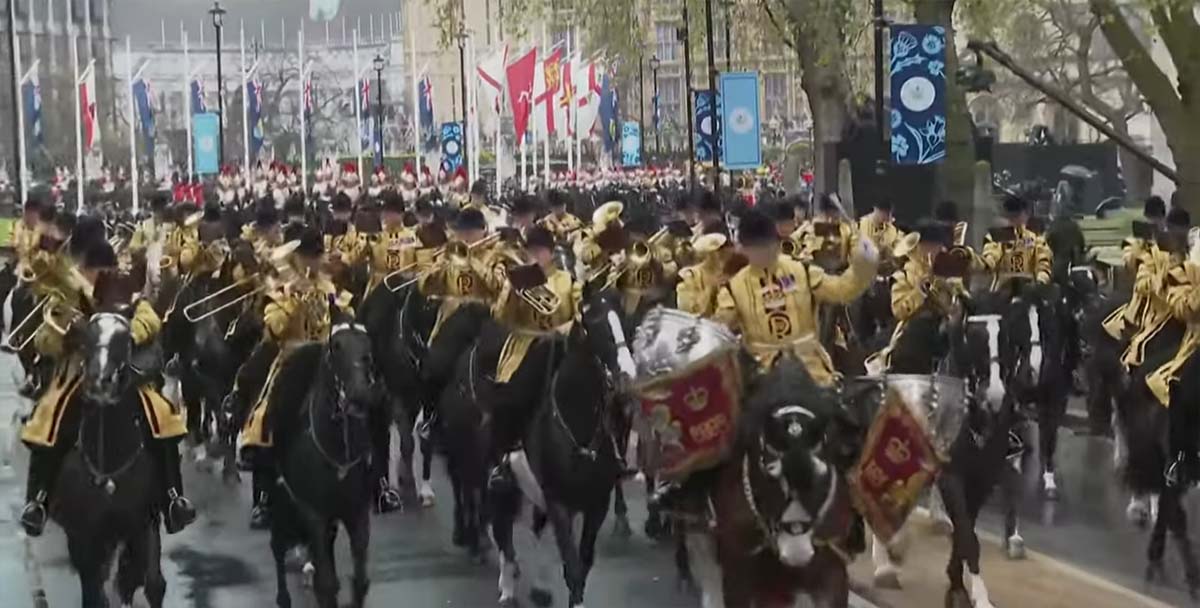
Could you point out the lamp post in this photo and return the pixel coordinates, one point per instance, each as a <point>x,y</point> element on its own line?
<point>18,132</point>
<point>712,98</point>
<point>642,108</point>
<point>218,21</point>
<point>728,5</point>
<point>683,34</point>
<point>654,63</point>
<point>462,80</point>
<point>378,63</point>
<point>881,153</point>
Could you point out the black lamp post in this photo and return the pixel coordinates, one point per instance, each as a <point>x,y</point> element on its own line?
<point>378,63</point>
<point>462,80</point>
<point>683,34</point>
<point>654,63</point>
<point>16,95</point>
<point>218,21</point>
<point>728,5</point>
<point>712,98</point>
<point>642,108</point>
<point>881,154</point>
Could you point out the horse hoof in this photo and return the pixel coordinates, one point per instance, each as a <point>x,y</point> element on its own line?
<point>1138,512</point>
<point>621,528</point>
<point>957,598</point>
<point>509,603</point>
<point>887,577</point>
<point>541,598</point>
<point>1015,547</point>
<point>942,526</point>
<point>1050,486</point>
<point>425,494</point>
<point>309,571</point>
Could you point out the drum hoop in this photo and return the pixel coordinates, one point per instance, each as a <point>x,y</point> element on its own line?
<point>654,382</point>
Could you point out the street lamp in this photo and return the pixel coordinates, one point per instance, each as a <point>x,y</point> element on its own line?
<point>683,35</point>
<point>715,120</point>
<point>654,63</point>
<point>218,21</point>
<point>462,81</point>
<point>378,63</point>
<point>881,154</point>
<point>642,108</point>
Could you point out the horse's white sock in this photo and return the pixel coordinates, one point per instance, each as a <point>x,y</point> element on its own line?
<point>508,578</point>
<point>702,556</point>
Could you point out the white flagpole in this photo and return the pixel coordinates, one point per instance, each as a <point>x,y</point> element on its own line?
<point>546,111</point>
<point>357,110</point>
<point>78,128</point>
<point>416,100</point>
<point>187,96</point>
<point>473,133</point>
<point>245,103</point>
<point>133,165</point>
<point>499,107</point>
<point>570,107</point>
<point>303,117</point>
<point>16,51</point>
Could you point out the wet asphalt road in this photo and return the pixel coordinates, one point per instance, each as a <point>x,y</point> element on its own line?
<point>219,562</point>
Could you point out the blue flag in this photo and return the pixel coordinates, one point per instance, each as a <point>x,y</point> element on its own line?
<point>452,136</point>
<point>741,131</point>
<point>364,114</point>
<point>205,131</point>
<point>31,95</point>
<point>631,144</point>
<point>609,114</point>
<point>197,89</point>
<point>254,98</point>
<point>425,109</point>
<point>707,125</point>
<point>918,77</point>
<point>141,100</point>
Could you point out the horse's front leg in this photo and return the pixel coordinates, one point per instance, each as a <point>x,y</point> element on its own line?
<point>834,590</point>
<point>320,544</point>
<point>560,521</point>
<point>1050,413</point>
<point>154,584</point>
<point>90,563</point>
<point>505,505</point>
<point>360,541</point>
<point>279,549</point>
<point>593,520</point>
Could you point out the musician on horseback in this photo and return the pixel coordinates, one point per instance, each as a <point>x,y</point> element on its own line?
<point>773,301</point>
<point>49,431</point>
<point>828,237</point>
<point>880,227</point>
<point>26,231</point>
<point>1136,250</point>
<point>1153,311</point>
<point>562,224</point>
<point>394,247</point>
<point>300,307</point>
<point>346,246</point>
<point>696,292</point>
<point>1014,252</point>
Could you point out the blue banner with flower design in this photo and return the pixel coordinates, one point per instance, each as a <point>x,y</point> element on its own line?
<point>918,76</point>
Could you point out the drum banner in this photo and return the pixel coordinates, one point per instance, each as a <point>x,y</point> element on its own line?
<point>897,463</point>
<point>918,100</point>
<point>689,416</point>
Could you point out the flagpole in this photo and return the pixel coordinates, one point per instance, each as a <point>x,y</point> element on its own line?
<point>472,95</point>
<point>416,99</point>
<point>78,129</point>
<point>303,116</point>
<point>19,98</point>
<point>133,165</point>
<point>546,111</point>
<point>187,95</point>
<point>357,110</point>
<point>586,88</point>
<point>570,102</point>
<point>245,103</point>
<point>497,143</point>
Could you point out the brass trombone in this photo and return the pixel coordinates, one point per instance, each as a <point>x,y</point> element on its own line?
<point>189,310</point>
<point>20,327</point>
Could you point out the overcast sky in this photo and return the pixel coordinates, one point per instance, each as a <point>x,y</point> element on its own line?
<point>141,18</point>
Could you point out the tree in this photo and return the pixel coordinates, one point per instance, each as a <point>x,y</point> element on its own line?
<point>1175,105</point>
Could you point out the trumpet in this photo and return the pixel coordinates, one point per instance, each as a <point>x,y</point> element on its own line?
<point>528,281</point>
<point>189,311</point>
<point>48,319</point>
<point>20,327</point>
<point>540,299</point>
<point>790,247</point>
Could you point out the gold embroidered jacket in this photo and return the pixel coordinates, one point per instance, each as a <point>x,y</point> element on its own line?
<point>391,250</point>
<point>775,308</point>
<point>303,311</point>
<point>1028,254</point>
<point>1150,286</point>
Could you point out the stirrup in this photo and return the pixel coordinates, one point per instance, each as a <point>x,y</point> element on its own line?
<point>388,499</point>
<point>180,512</point>
<point>34,515</point>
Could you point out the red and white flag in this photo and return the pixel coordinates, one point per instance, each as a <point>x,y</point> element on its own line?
<point>547,84</point>
<point>586,81</point>
<point>491,76</point>
<point>564,101</point>
<point>520,90</point>
<point>87,105</point>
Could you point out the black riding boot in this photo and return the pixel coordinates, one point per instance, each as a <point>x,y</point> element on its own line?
<point>178,512</point>
<point>44,464</point>
<point>387,499</point>
<point>263,478</point>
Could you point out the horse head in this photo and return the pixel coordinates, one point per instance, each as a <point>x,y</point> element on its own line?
<point>349,362</point>
<point>787,478</point>
<point>602,331</point>
<point>108,347</point>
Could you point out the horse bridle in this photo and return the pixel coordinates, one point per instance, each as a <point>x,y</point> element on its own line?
<point>772,529</point>
<point>341,412</point>
<point>106,480</point>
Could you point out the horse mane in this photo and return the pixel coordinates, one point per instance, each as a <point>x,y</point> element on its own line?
<point>295,378</point>
<point>787,383</point>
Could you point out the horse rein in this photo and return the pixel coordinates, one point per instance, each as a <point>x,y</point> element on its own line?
<point>106,480</point>
<point>769,530</point>
<point>341,412</point>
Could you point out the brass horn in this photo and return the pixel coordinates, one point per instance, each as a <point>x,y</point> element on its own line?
<point>189,311</point>
<point>20,327</point>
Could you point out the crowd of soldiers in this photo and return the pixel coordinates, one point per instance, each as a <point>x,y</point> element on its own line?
<point>772,271</point>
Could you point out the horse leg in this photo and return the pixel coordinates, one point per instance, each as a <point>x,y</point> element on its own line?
<point>560,521</point>
<point>320,545</point>
<point>621,527</point>
<point>424,488</point>
<point>887,571</point>
<point>459,495</point>
<point>1012,482</point>
<point>1049,418</point>
<point>360,539</point>
<point>1158,538</point>
<point>279,548</point>
<point>543,565</point>
<point>89,562</point>
<point>130,570</point>
<point>1178,527</point>
<point>593,520</point>
<point>834,591</point>
<point>964,546</point>
<point>702,558</point>
<point>655,528</point>
<point>154,583</point>
<point>505,504</point>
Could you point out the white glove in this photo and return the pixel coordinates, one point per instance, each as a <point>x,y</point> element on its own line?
<point>867,251</point>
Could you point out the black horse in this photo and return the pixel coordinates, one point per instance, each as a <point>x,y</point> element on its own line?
<point>319,411</point>
<point>400,324</point>
<point>105,496</point>
<point>572,452</point>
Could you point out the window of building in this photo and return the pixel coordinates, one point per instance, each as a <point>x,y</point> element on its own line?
<point>775,95</point>
<point>78,12</point>
<point>667,45</point>
<point>21,8</point>
<point>97,11</point>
